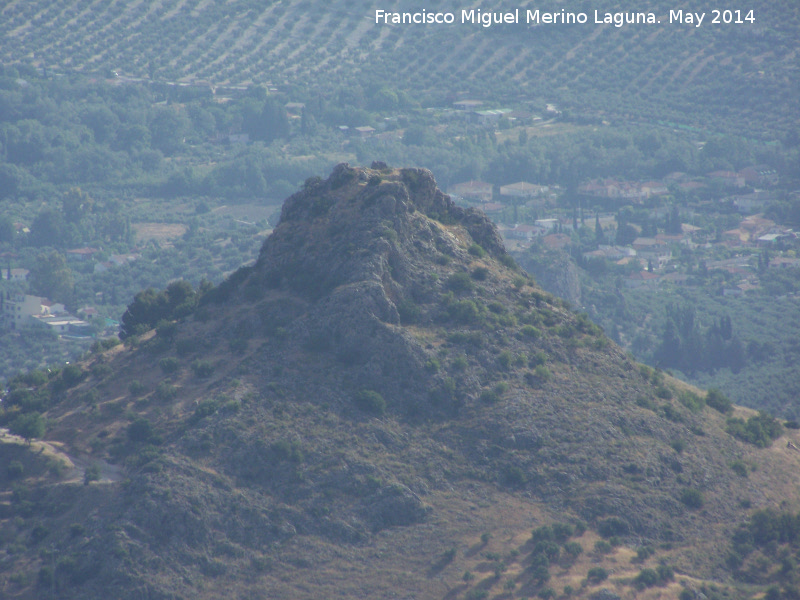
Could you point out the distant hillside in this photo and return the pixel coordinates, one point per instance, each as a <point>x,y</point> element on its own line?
<point>383,405</point>
<point>738,78</point>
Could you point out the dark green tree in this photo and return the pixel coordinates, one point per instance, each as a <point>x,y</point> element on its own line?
<point>52,277</point>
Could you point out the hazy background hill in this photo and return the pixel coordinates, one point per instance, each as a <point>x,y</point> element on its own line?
<point>736,78</point>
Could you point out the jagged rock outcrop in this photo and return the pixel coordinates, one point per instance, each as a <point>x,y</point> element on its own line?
<point>555,272</point>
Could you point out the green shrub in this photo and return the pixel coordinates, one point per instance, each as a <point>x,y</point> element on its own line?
<point>480,273</point>
<point>476,250</point>
<point>692,498</point>
<point>491,396</point>
<point>665,574</point>
<point>459,363</point>
<point>408,311</point>
<point>29,426</point>
<point>169,364</point>
<point>596,575</point>
<point>719,401</point>
<point>465,312</point>
<point>514,476</point>
<point>663,392</point>
<point>691,401</point>
<point>432,366</point>
<point>759,430</point>
<point>612,526</point>
<point>530,331</point>
<point>573,549</point>
<point>459,282</point>
<point>562,531</point>
<point>504,359</point>
<point>646,578</point>
<point>101,370</point>
<point>165,391</point>
<point>92,473</point>
<point>739,467</point>
<point>508,261</point>
<point>371,401</point>
<point>140,430</point>
<point>644,552</point>
<point>202,368</point>
<point>14,470</point>
<point>185,347</point>
<point>544,533</point>
<point>671,413</point>
<point>284,450</point>
<point>166,330</point>
<point>72,375</point>
<point>542,373</point>
<point>546,593</point>
<point>205,408</point>
<point>602,547</point>
<point>651,577</point>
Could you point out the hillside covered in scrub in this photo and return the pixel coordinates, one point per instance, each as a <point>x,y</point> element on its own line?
<point>383,405</point>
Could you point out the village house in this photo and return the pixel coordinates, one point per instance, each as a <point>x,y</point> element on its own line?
<point>523,190</point>
<point>115,260</point>
<point>63,325</point>
<point>641,279</point>
<point>759,175</point>
<point>467,105</point>
<point>488,117</point>
<point>734,292</point>
<point>14,274</point>
<point>556,241</point>
<point>479,191</point>
<point>294,108</point>
<point>81,254</point>
<point>612,253</point>
<point>616,189</point>
<point>652,250</point>
<point>53,308</point>
<point>519,117</point>
<point>491,208</point>
<point>775,235</point>
<point>547,224</point>
<point>727,178</point>
<point>364,131</point>
<point>675,278</point>
<point>654,188</point>
<point>784,262</point>
<point>751,203</point>
<point>522,232</point>
<point>17,309</point>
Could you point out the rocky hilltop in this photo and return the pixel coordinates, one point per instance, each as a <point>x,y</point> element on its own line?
<point>383,405</point>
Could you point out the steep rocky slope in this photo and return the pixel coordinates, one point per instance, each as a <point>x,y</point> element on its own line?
<point>381,403</point>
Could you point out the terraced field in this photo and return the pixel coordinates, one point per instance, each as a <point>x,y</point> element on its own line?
<point>739,72</point>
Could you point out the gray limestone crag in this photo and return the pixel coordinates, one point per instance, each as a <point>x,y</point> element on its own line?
<point>339,231</point>
<point>348,258</point>
<point>556,273</point>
